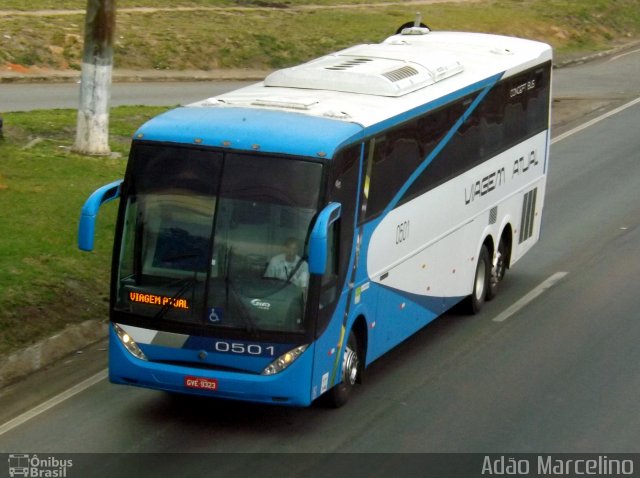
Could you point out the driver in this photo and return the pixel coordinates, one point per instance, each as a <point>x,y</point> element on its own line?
<point>289,266</point>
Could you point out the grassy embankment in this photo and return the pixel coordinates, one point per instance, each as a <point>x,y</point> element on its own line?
<point>255,36</point>
<point>45,282</point>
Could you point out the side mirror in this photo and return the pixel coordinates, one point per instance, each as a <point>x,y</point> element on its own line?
<point>87,227</point>
<point>319,241</point>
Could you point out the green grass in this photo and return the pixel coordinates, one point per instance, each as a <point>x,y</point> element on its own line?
<point>45,281</point>
<point>276,37</point>
<point>30,5</point>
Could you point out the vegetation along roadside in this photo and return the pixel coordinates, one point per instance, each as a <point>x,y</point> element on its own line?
<point>264,34</point>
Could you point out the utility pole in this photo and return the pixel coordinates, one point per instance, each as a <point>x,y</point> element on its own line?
<point>92,134</point>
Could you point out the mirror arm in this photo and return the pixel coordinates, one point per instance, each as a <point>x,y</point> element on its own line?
<point>318,241</point>
<point>86,228</point>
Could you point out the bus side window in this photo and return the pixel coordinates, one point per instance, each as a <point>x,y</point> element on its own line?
<point>344,190</point>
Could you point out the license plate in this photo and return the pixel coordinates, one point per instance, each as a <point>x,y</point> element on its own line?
<point>201,383</point>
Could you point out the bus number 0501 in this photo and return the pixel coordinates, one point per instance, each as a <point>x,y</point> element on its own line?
<point>239,348</point>
<point>402,232</point>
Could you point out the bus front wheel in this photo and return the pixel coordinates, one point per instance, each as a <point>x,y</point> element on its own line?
<point>480,281</point>
<point>339,395</point>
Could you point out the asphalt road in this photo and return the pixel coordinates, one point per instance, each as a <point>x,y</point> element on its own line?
<point>560,374</point>
<point>28,97</point>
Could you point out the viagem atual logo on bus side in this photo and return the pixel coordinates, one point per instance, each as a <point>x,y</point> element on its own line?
<point>23,464</point>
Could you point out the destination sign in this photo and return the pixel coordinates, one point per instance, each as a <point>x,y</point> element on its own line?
<point>153,299</point>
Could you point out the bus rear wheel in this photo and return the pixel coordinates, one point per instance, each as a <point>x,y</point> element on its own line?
<point>480,281</point>
<point>339,395</point>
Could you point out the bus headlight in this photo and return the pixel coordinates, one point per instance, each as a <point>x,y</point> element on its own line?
<point>129,343</point>
<point>282,362</point>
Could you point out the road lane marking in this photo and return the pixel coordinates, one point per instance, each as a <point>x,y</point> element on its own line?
<point>52,402</point>
<point>595,120</point>
<point>547,284</point>
<point>617,57</point>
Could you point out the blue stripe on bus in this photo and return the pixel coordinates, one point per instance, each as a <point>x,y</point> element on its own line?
<point>490,83</point>
<point>371,226</point>
<point>433,304</point>
<point>400,314</point>
<point>433,105</point>
<point>250,129</point>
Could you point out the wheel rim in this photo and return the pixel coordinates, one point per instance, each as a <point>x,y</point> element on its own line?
<point>497,272</point>
<point>500,269</point>
<point>350,366</point>
<point>481,275</point>
<point>501,266</point>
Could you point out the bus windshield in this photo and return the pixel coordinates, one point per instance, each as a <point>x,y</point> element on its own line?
<point>216,239</point>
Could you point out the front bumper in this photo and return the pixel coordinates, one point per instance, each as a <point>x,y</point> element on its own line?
<point>289,387</point>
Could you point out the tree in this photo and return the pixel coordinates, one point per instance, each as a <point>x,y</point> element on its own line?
<point>92,134</point>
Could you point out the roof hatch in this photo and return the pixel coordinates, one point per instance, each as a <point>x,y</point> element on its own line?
<point>382,70</point>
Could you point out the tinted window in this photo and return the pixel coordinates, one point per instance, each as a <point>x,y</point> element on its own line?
<point>514,110</point>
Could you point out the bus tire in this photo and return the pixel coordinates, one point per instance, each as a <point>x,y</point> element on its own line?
<point>339,395</point>
<point>480,281</point>
<point>497,272</point>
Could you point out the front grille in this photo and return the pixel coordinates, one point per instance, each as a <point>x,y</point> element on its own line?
<point>204,366</point>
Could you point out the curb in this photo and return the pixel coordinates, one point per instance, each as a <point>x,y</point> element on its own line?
<point>234,74</point>
<point>134,76</point>
<point>595,56</point>
<point>46,352</point>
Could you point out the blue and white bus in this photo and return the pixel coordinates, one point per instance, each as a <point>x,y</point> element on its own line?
<point>274,241</point>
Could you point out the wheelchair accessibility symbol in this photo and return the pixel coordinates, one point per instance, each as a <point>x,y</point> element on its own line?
<point>215,315</point>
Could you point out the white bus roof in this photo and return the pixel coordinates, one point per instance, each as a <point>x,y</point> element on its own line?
<point>367,84</point>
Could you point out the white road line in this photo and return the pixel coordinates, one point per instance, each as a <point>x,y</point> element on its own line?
<point>595,120</point>
<point>52,402</point>
<point>547,284</point>
<point>623,54</point>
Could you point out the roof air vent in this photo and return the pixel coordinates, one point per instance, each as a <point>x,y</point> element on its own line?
<point>401,73</point>
<point>383,70</point>
<point>349,64</point>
